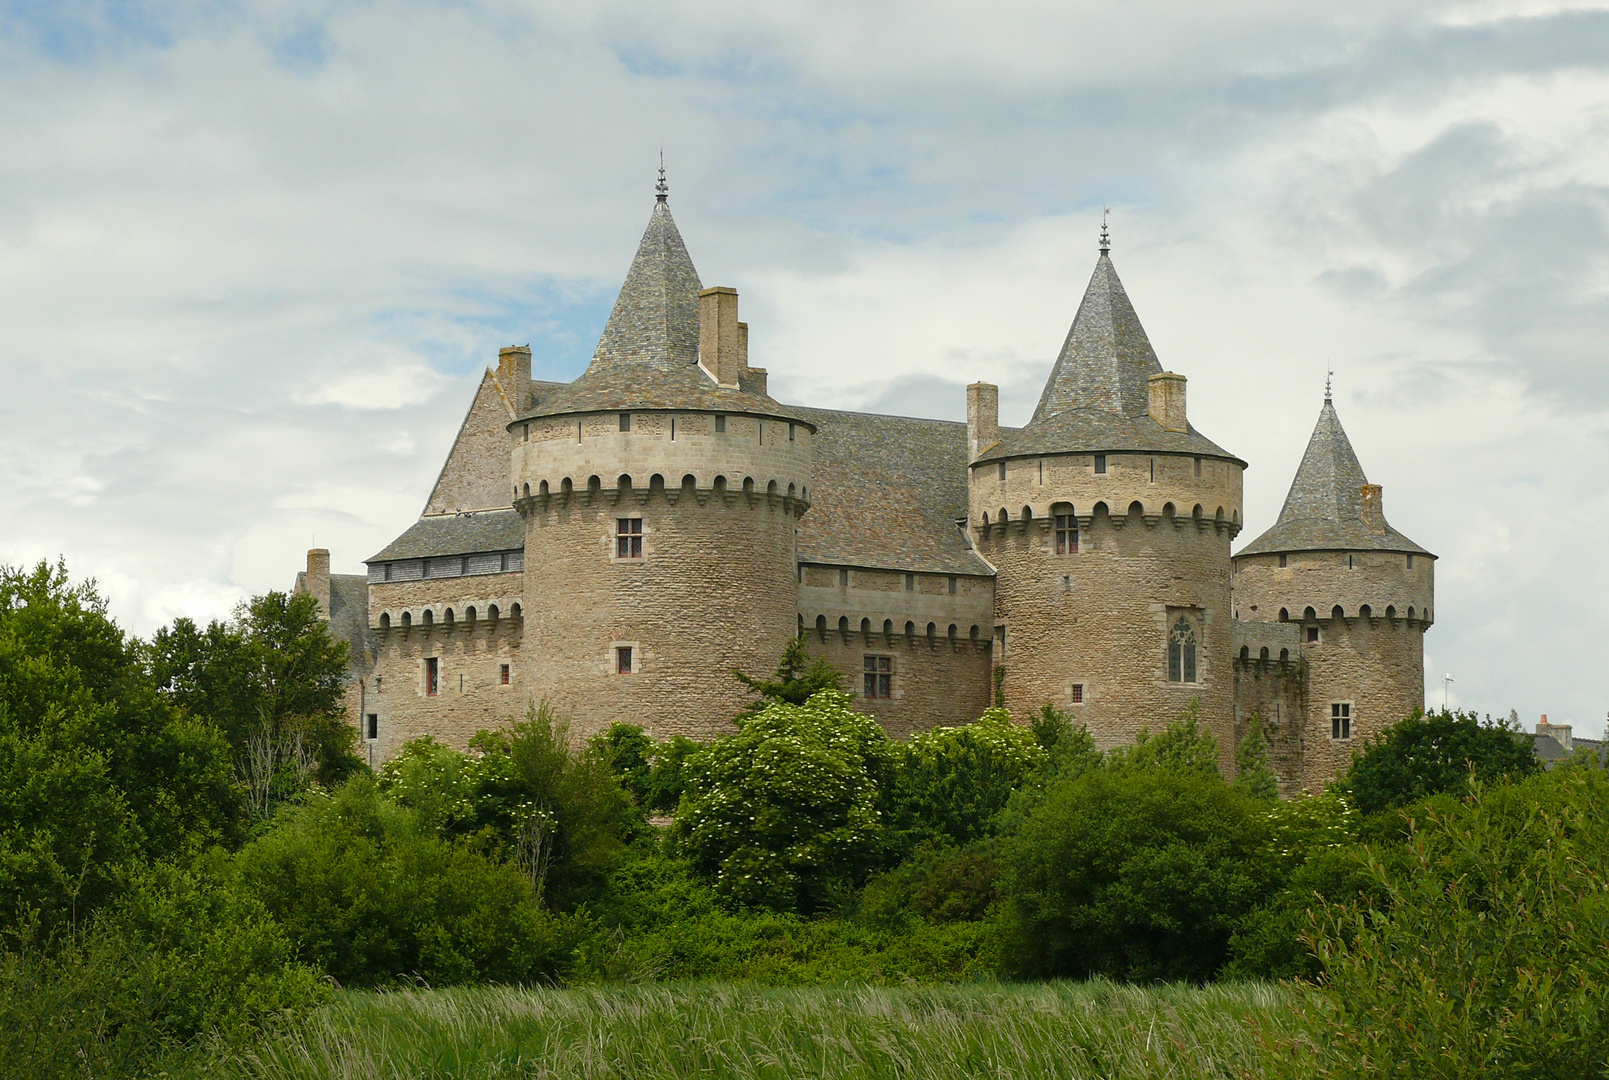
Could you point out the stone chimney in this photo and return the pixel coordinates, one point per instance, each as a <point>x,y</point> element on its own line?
<point>721,347</point>
<point>1560,733</point>
<point>754,378</point>
<point>983,418</point>
<point>514,375</point>
<point>1373,510</point>
<point>1167,401</point>
<point>318,580</point>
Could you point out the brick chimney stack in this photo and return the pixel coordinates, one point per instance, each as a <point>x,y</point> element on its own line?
<point>721,346</point>
<point>514,375</point>
<point>983,418</point>
<point>318,579</point>
<point>1167,401</point>
<point>1373,509</point>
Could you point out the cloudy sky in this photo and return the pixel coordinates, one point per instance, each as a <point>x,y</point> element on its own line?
<point>253,256</point>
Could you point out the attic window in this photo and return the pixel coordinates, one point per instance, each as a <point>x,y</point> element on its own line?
<point>1198,466</point>
<point>910,582</point>
<point>952,584</point>
<point>720,423</point>
<point>625,421</point>
<point>843,578</point>
<point>1002,470</point>
<point>1284,561</point>
<point>1100,463</point>
<point>1410,562</point>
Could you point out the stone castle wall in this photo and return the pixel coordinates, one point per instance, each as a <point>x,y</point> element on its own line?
<point>1101,619</point>
<point>1163,485</point>
<point>1375,665</point>
<point>1382,581</point>
<point>1271,689</point>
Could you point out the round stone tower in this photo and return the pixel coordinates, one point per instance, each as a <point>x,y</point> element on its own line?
<point>661,493</point>
<point>1362,593</point>
<point>1108,520</point>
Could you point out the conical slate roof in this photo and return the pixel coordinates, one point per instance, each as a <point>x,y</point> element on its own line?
<point>1107,359</point>
<point>1098,396</point>
<point>647,357</point>
<point>1323,510</point>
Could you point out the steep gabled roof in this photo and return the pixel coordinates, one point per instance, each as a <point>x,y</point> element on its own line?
<point>457,534</point>
<point>1323,510</point>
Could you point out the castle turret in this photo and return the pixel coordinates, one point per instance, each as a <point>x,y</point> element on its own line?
<point>1360,594</point>
<point>660,492</point>
<point>1108,519</point>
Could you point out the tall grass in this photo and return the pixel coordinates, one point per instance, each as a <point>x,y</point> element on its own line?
<point>1093,1030</point>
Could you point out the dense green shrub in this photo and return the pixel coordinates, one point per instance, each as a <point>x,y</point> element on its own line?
<point>526,796</point>
<point>783,814</point>
<point>949,784</point>
<point>1137,873</point>
<point>1428,755</point>
<point>938,883</point>
<point>180,957</point>
<point>1486,956</point>
<point>369,892</point>
<point>798,678</point>
<point>97,772</point>
<point>650,772</point>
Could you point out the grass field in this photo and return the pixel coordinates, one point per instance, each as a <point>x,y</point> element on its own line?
<point>1085,1030</point>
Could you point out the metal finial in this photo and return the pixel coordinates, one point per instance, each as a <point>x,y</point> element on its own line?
<point>1106,240</point>
<point>1328,375</point>
<point>662,188</point>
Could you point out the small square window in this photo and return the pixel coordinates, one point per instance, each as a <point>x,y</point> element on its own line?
<point>623,660</point>
<point>1312,633</point>
<point>1078,693</point>
<point>374,727</point>
<point>1100,463</point>
<point>625,421</point>
<point>910,582</point>
<point>1284,561</point>
<point>1341,720</point>
<point>432,676</point>
<point>503,674</point>
<point>878,676</point>
<point>720,423</point>
<point>628,538</point>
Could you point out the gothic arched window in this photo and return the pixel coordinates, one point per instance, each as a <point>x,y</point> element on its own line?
<point>1182,652</point>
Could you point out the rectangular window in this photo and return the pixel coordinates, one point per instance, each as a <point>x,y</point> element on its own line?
<point>1284,561</point>
<point>623,660</point>
<point>625,421</point>
<point>1002,470</point>
<point>878,675</point>
<point>503,674</point>
<point>910,582</point>
<point>1182,652</point>
<point>1198,466</point>
<point>1153,470</point>
<point>720,423</point>
<point>527,432</point>
<point>843,579</point>
<point>432,676</point>
<point>374,726</point>
<point>1100,463</point>
<point>1341,720</point>
<point>673,429</point>
<point>952,584</point>
<point>1066,534</point>
<point>1312,633</point>
<point>1078,693</point>
<point>377,680</point>
<point>628,538</point>
<point>1410,562</point>
<point>1349,565</point>
<point>790,432</point>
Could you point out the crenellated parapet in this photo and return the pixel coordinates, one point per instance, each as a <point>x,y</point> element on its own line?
<point>1376,588</point>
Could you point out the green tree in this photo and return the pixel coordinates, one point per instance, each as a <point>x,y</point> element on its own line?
<point>1253,777</point>
<point>783,814</point>
<point>1138,872</point>
<point>272,679</point>
<point>97,771</point>
<point>798,678</point>
<point>1430,754</point>
<point>526,795</point>
<point>949,784</point>
<point>1183,746</point>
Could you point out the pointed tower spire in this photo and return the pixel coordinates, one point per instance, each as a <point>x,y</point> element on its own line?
<point>655,318</point>
<point>1106,361</point>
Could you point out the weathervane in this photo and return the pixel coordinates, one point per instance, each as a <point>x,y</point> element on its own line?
<point>1106,240</point>
<point>662,188</point>
<point>1329,373</point>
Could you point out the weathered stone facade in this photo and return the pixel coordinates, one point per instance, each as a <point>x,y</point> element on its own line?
<point>618,545</point>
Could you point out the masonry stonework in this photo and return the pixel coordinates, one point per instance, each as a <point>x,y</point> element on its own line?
<point>617,545</point>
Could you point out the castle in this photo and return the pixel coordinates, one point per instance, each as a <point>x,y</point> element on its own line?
<point>619,544</point>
